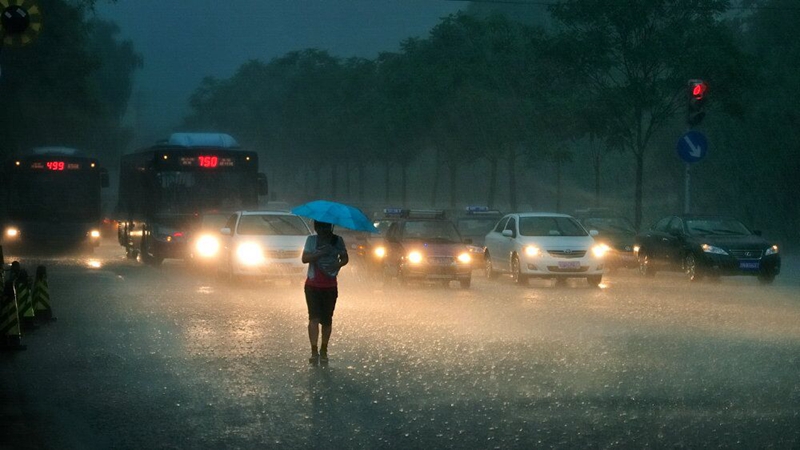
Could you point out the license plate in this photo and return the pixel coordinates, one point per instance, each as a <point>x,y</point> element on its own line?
<point>749,265</point>
<point>569,264</point>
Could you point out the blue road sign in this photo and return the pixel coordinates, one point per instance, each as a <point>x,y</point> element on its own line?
<point>692,146</point>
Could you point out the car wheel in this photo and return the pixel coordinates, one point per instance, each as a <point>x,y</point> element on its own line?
<point>691,269</point>
<point>594,280</point>
<point>465,283</point>
<point>488,267</point>
<point>766,278</point>
<point>516,271</point>
<point>646,265</point>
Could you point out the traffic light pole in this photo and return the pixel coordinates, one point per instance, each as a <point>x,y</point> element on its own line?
<point>686,190</point>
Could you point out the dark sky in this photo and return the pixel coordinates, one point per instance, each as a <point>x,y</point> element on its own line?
<point>184,41</point>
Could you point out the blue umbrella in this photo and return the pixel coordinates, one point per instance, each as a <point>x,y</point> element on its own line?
<point>336,213</point>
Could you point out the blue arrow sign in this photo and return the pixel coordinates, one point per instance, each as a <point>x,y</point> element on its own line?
<point>692,146</point>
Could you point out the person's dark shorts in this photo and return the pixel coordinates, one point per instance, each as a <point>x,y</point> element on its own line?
<point>321,303</point>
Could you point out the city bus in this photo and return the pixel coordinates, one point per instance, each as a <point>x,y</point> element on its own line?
<point>165,189</point>
<point>52,199</point>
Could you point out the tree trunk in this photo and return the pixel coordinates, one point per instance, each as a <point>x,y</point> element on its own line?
<point>558,186</point>
<point>453,183</point>
<point>387,172</point>
<point>492,182</point>
<point>436,166</point>
<point>512,179</point>
<point>404,185</point>
<point>361,183</point>
<point>334,181</point>
<point>637,221</point>
<point>597,161</point>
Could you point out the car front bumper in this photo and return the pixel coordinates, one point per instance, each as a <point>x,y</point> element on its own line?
<point>549,267</point>
<point>272,268</point>
<point>437,272</point>
<point>728,265</point>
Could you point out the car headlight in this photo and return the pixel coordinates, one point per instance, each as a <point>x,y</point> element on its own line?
<point>464,258</point>
<point>532,250</point>
<point>711,249</point>
<point>380,252</point>
<point>771,251</point>
<point>12,232</point>
<point>207,246</point>
<point>415,257</point>
<point>250,254</point>
<point>600,250</point>
<point>94,234</point>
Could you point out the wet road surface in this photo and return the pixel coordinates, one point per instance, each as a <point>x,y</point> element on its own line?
<point>169,357</point>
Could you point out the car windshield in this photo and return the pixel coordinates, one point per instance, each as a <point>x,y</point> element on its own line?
<point>382,225</point>
<point>214,221</point>
<point>731,227</point>
<point>476,226</point>
<point>431,230</point>
<point>609,224</point>
<point>272,225</point>
<point>550,226</point>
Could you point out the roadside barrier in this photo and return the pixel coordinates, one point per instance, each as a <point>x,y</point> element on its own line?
<point>11,333</point>
<point>24,301</point>
<point>41,296</point>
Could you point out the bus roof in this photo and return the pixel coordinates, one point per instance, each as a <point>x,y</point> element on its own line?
<point>219,140</point>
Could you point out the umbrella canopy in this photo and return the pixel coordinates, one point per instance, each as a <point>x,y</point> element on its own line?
<point>336,213</point>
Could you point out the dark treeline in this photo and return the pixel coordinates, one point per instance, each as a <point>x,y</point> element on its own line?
<point>519,107</point>
<point>70,86</point>
<point>583,110</point>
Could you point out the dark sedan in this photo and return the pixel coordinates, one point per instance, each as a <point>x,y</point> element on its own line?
<point>706,246</point>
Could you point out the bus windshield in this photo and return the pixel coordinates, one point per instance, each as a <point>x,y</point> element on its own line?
<point>55,196</point>
<point>190,192</point>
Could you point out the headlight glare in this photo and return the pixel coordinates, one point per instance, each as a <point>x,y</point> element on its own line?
<point>12,232</point>
<point>464,258</point>
<point>715,250</point>
<point>772,250</point>
<point>600,250</point>
<point>250,254</point>
<point>415,257</point>
<point>532,250</point>
<point>380,252</point>
<point>94,234</point>
<point>207,246</point>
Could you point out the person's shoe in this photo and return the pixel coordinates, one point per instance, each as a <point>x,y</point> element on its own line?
<point>323,357</point>
<point>314,359</point>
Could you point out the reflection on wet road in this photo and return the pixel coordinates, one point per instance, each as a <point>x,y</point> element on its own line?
<point>173,358</point>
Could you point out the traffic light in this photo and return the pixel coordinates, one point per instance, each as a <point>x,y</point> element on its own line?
<point>20,22</point>
<point>697,93</point>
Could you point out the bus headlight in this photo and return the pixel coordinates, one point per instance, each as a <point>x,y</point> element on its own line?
<point>600,250</point>
<point>415,257</point>
<point>12,233</point>
<point>380,252</point>
<point>207,246</point>
<point>250,254</point>
<point>464,258</point>
<point>94,234</point>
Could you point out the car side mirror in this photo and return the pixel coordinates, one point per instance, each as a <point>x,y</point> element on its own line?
<point>226,231</point>
<point>468,241</point>
<point>593,233</point>
<point>508,233</point>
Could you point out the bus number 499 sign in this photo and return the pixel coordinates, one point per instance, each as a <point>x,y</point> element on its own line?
<point>692,146</point>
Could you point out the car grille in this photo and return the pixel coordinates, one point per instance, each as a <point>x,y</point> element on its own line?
<point>441,260</point>
<point>571,270</point>
<point>283,254</point>
<point>745,254</point>
<point>567,253</point>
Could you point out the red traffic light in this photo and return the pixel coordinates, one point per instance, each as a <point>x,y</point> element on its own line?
<point>699,88</point>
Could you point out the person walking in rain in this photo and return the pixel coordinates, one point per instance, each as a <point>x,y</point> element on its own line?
<point>325,253</point>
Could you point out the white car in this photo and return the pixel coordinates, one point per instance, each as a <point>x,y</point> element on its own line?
<point>543,245</point>
<point>263,244</point>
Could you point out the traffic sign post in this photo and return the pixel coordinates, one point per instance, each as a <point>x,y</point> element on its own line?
<point>692,147</point>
